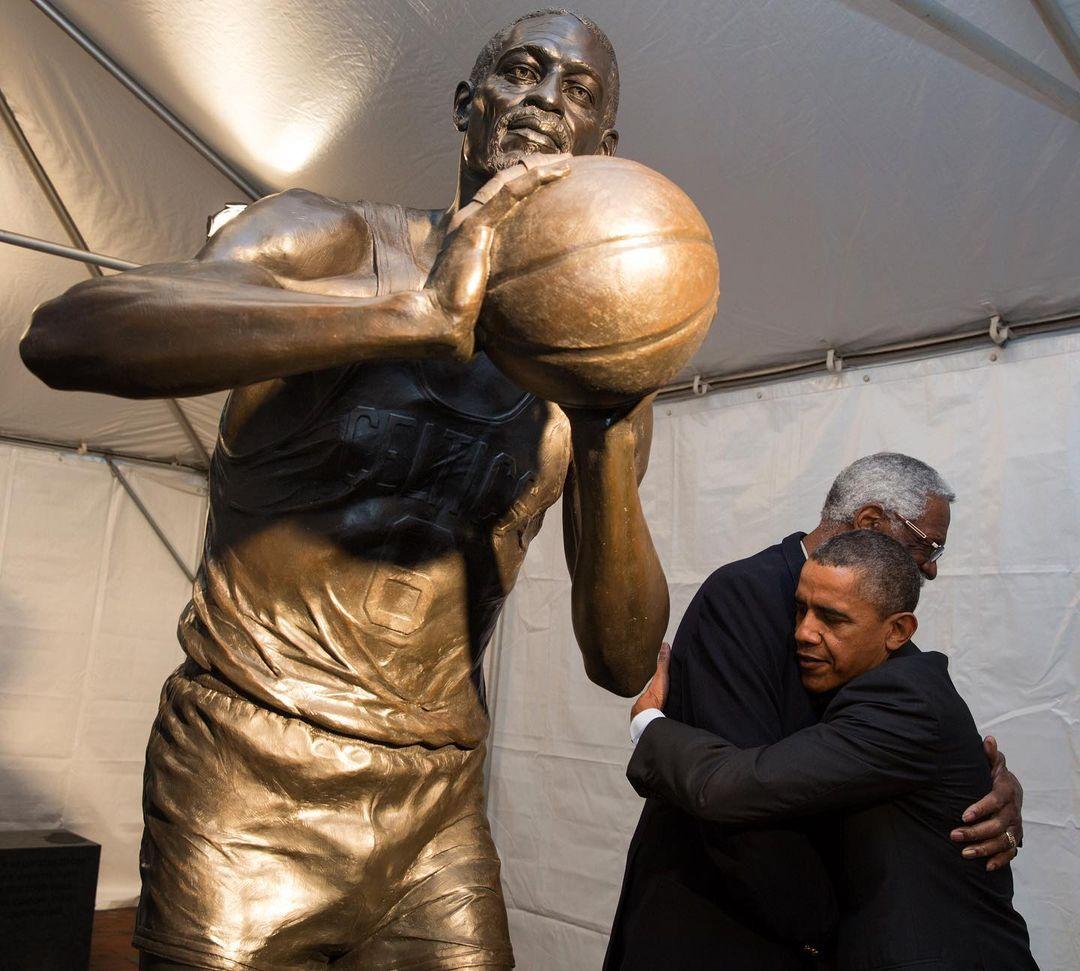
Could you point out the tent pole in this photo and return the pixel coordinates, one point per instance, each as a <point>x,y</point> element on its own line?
<point>45,182</point>
<point>182,420</point>
<point>67,252</point>
<point>1063,98</point>
<point>189,136</point>
<point>703,384</point>
<point>1059,25</point>
<point>25,441</point>
<point>148,516</point>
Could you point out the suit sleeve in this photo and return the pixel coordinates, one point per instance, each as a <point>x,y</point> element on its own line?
<point>726,662</point>
<point>878,741</point>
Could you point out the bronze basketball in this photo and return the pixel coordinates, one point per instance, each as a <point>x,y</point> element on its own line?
<point>602,285</point>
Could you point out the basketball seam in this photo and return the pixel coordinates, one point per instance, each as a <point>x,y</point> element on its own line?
<point>496,280</point>
<point>549,354</point>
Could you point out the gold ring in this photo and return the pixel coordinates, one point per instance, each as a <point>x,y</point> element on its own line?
<point>1012,840</point>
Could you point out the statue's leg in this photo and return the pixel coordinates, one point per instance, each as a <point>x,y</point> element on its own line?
<point>450,914</point>
<point>233,877</point>
<point>273,842</point>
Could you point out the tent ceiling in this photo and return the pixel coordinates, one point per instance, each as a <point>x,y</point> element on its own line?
<point>868,180</point>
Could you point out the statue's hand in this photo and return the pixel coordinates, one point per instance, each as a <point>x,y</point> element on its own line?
<point>632,421</point>
<point>459,277</point>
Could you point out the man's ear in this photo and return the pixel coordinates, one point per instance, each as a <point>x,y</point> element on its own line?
<point>902,629</point>
<point>871,516</point>
<point>463,98</point>
<point>608,143</point>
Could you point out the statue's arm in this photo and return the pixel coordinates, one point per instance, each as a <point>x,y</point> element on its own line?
<point>227,318</point>
<point>265,298</point>
<point>619,595</point>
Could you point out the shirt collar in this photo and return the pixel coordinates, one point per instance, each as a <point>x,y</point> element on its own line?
<point>905,650</point>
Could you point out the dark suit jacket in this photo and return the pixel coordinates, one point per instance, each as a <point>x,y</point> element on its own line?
<point>897,753</point>
<point>696,895</point>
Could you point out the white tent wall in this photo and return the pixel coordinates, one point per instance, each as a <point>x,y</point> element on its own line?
<point>88,604</point>
<point>735,472</point>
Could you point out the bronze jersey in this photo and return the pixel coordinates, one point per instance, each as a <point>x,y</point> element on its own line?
<point>358,554</point>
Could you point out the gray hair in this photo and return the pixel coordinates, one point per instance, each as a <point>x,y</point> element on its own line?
<point>895,482</point>
<point>888,576</point>
<point>490,52</point>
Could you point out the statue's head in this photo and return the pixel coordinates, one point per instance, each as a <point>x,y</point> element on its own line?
<point>547,83</point>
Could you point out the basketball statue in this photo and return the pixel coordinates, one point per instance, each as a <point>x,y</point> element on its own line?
<point>313,789</point>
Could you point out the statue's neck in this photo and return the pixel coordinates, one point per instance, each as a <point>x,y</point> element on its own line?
<point>468,184</point>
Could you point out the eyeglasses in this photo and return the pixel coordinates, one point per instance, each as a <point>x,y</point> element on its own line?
<point>936,549</point>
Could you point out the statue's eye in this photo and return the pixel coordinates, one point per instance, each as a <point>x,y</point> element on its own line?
<point>522,73</point>
<point>581,94</point>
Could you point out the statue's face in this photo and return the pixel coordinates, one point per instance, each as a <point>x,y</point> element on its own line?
<point>545,94</point>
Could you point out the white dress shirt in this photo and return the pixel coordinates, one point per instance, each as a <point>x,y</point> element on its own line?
<point>640,720</point>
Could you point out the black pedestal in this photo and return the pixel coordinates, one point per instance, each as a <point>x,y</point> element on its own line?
<point>48,879</point>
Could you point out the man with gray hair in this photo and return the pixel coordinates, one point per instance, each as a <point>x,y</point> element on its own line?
<point>761,896</point>
<point>893,494</point>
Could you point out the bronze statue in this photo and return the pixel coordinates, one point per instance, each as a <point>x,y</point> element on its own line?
<point>313,783</point>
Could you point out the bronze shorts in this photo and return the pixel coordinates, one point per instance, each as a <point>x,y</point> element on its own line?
<point>270,844</point>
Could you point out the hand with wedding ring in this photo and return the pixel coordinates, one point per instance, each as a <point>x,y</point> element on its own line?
<point>993,825</point>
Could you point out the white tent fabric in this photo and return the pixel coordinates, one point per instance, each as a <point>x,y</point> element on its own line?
<point>868,181</point>
<point>735,473</point>
<point>88,606</point>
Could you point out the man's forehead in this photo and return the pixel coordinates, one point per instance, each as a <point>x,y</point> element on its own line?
<point>560,36</point>
<point>832,584</point>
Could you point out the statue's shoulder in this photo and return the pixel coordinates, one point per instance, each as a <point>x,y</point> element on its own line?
<point>298,202</point>
<point>284,209</point>
<point>296,232</point>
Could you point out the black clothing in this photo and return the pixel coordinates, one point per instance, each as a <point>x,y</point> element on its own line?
<point>761,896</point>
<point>897,753</point>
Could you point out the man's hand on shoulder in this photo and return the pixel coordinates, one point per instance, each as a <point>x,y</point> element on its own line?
<point>655,693</point>
<point>649,706</point>
<point>993,826</point>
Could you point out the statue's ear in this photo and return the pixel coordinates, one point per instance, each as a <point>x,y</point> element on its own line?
<point>608,143</point>
<point>463,99</point>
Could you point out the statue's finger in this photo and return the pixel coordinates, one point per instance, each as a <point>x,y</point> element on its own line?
<point>538,160</point>
<point>497,208</point>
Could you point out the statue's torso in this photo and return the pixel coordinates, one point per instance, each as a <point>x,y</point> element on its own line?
<point>366,524</point>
